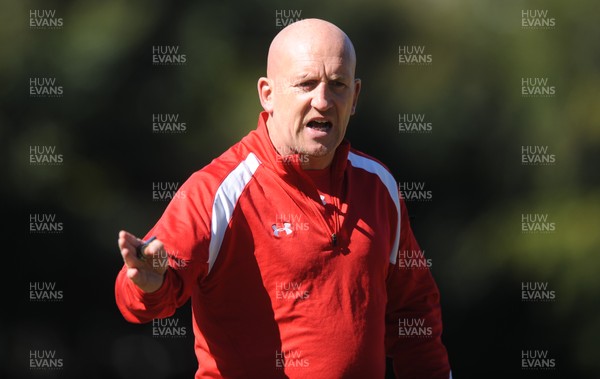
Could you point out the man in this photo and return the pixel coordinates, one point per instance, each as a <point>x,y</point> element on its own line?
<point>287,244</point>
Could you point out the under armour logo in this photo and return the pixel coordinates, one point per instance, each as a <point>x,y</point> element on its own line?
<point>287,228</point>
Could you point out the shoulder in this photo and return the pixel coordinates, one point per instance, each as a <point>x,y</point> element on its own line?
<point>363,161</point>
<point>379,172</point>
<point>234,166</point>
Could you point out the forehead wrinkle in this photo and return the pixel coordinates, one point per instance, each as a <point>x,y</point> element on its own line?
<point>319,67</point>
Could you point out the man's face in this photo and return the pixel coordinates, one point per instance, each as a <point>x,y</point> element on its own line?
<point>314,93</point>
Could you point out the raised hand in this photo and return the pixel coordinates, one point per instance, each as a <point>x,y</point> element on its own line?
<point>147,271</point>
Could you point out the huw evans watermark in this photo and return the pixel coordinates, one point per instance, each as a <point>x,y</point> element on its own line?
<point>414,191</point>
<point>45,19</point>
<point>413,259</point>
<point>533,223</point>
<point>45,360</point>
<point>168,55</point>
<point>291,155</point>
<point>537,19</point>
<point>537,292</point>
<point>167,191</point>
<point>537,360</point>
<point>168,123</point>
<point>411,123</point>
<point>537,87</point>
<point>45,292</point>
<point>537,155</point>
<point>45,87</point>
<point>290,291</point>
<point>413,55</point>
<point>168,328</point>
<point>45,155</point>
<point>290,358</point>
<point>164,259</point>
<point>45,223</point>
<point>296,221</point>
<point>414,327</point>
<point>285,17</point>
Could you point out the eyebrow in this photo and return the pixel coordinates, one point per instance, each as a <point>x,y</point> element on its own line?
<point>308,75</point>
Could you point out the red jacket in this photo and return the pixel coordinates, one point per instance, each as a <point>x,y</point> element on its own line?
<point>287,281</point>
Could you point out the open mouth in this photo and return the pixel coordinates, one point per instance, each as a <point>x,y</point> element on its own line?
<point>320,125</point>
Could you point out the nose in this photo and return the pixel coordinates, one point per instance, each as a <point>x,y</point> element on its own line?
<point>321,99</point>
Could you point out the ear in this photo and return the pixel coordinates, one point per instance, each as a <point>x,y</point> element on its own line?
<point>357,86</point>
<point>265,94</point>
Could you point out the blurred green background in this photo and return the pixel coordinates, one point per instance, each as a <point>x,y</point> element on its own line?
<point>471,163</point>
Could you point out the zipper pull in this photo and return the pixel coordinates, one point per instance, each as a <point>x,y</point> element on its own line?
<point>333,239</point>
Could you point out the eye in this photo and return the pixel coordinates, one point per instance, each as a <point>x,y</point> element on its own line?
<point>337,84</point>
<point>307,84</point>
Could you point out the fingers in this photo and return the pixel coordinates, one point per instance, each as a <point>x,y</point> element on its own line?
<point>153,257</point>
<point>127,244</point>
<point>146,280</point>
<point>156,256</point>
<point>148,272</point>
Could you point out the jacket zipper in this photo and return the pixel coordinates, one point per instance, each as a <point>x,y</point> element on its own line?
<point>333,233</point>
<point>336,208</point>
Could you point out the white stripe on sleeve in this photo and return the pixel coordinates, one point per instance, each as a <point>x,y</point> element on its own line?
<point>226,199</point>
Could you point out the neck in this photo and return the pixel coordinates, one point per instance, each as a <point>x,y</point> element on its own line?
<point>317,163</point>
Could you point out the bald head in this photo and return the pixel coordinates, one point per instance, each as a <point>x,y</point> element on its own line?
<point>309,37</point>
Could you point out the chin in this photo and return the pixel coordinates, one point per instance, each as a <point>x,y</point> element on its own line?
<point>316,149</point>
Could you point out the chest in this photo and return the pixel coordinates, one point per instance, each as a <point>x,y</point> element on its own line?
<point>298,236</point>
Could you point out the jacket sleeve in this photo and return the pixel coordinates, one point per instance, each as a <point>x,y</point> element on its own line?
<point>413,314</point>
<point>184,229</point>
